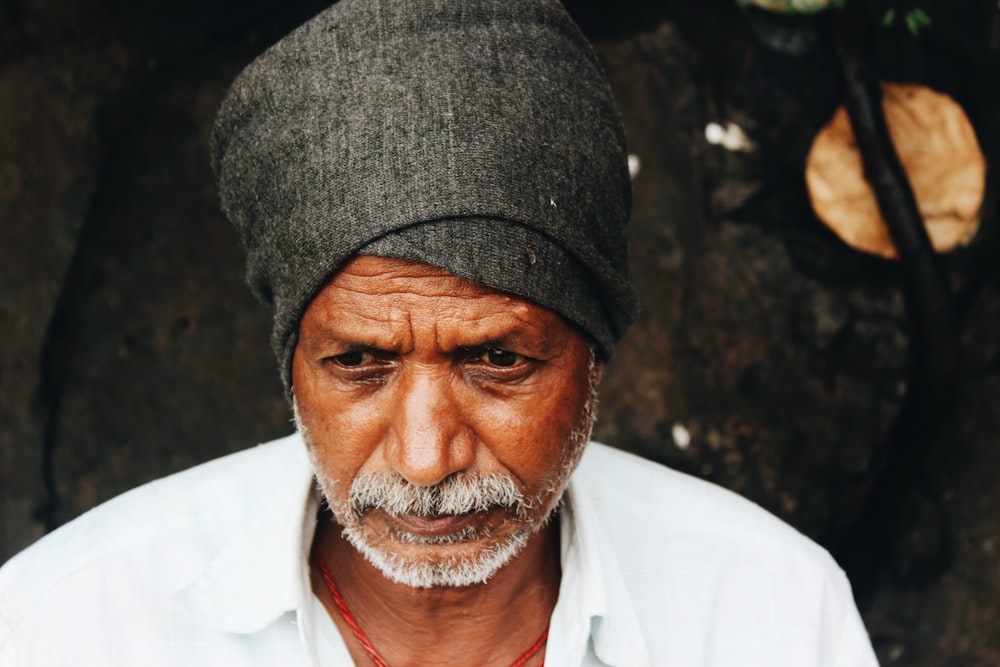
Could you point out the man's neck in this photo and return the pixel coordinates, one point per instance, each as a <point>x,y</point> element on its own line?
<point>486,624</point>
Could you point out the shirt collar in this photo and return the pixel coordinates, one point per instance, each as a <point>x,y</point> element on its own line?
<point>257,576</point>
<point>594,604</point>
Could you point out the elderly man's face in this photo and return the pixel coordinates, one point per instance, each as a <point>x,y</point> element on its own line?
<point>443,417</point>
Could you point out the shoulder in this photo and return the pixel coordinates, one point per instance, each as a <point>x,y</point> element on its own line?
<point>705,567</point>
<point>167,529</point>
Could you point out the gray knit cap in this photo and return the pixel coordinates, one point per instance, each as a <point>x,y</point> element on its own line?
<point>478,136</point>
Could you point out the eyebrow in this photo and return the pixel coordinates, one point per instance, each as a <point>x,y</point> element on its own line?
<point>515,340</point>
<point>518,338</point>
<point>349,344</point>
<point>534,337</point>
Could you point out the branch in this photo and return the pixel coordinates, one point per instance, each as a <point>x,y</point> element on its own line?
<point>927,294</point>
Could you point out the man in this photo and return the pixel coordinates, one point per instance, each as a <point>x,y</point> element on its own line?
<point>433,198</point>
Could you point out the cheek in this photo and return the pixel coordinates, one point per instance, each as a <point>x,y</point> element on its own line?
<point>529,435</point>
<point>345,434</point>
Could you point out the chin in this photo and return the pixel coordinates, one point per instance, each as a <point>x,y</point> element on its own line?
<point>470,556</point>
<point>457,564</point>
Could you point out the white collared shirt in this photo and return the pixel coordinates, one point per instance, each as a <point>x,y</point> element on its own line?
<point>209,567</point>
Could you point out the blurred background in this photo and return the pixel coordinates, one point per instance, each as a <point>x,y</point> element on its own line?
<point>769,356</point>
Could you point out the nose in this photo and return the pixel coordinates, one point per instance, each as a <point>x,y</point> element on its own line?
<point>429,438</point>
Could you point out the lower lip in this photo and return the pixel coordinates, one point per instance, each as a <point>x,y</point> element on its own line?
<point>445,525</point>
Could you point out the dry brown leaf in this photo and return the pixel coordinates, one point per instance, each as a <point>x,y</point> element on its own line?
<point>939,152</point>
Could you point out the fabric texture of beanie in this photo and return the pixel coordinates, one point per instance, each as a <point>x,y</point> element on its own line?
<point>478,136</point>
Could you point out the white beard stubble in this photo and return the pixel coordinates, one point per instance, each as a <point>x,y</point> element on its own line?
<point>458,494</point>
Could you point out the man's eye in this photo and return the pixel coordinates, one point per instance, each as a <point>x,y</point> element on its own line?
<point>353,358</point>
<point>500,358</point>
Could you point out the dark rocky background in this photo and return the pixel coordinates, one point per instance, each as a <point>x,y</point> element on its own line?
<point>768,357</point>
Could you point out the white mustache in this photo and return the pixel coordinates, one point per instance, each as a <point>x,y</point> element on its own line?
<point>455,495</point>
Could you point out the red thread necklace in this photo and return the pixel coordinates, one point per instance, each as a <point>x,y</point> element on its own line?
<point>366,643</point>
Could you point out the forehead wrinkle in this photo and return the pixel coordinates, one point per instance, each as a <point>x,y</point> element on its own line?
<point>402,301</point>
<point>501,329</point>
<point>447,331</point>
<point>407,278</point>
<point>462,310</point>
<point>346,323</point>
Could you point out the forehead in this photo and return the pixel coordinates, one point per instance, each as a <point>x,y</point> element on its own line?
<point>370,294</point>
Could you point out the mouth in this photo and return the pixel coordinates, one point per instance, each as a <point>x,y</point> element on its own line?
<point>435,527</point>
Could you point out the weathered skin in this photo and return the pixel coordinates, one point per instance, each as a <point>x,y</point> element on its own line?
<point>403,368</point>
